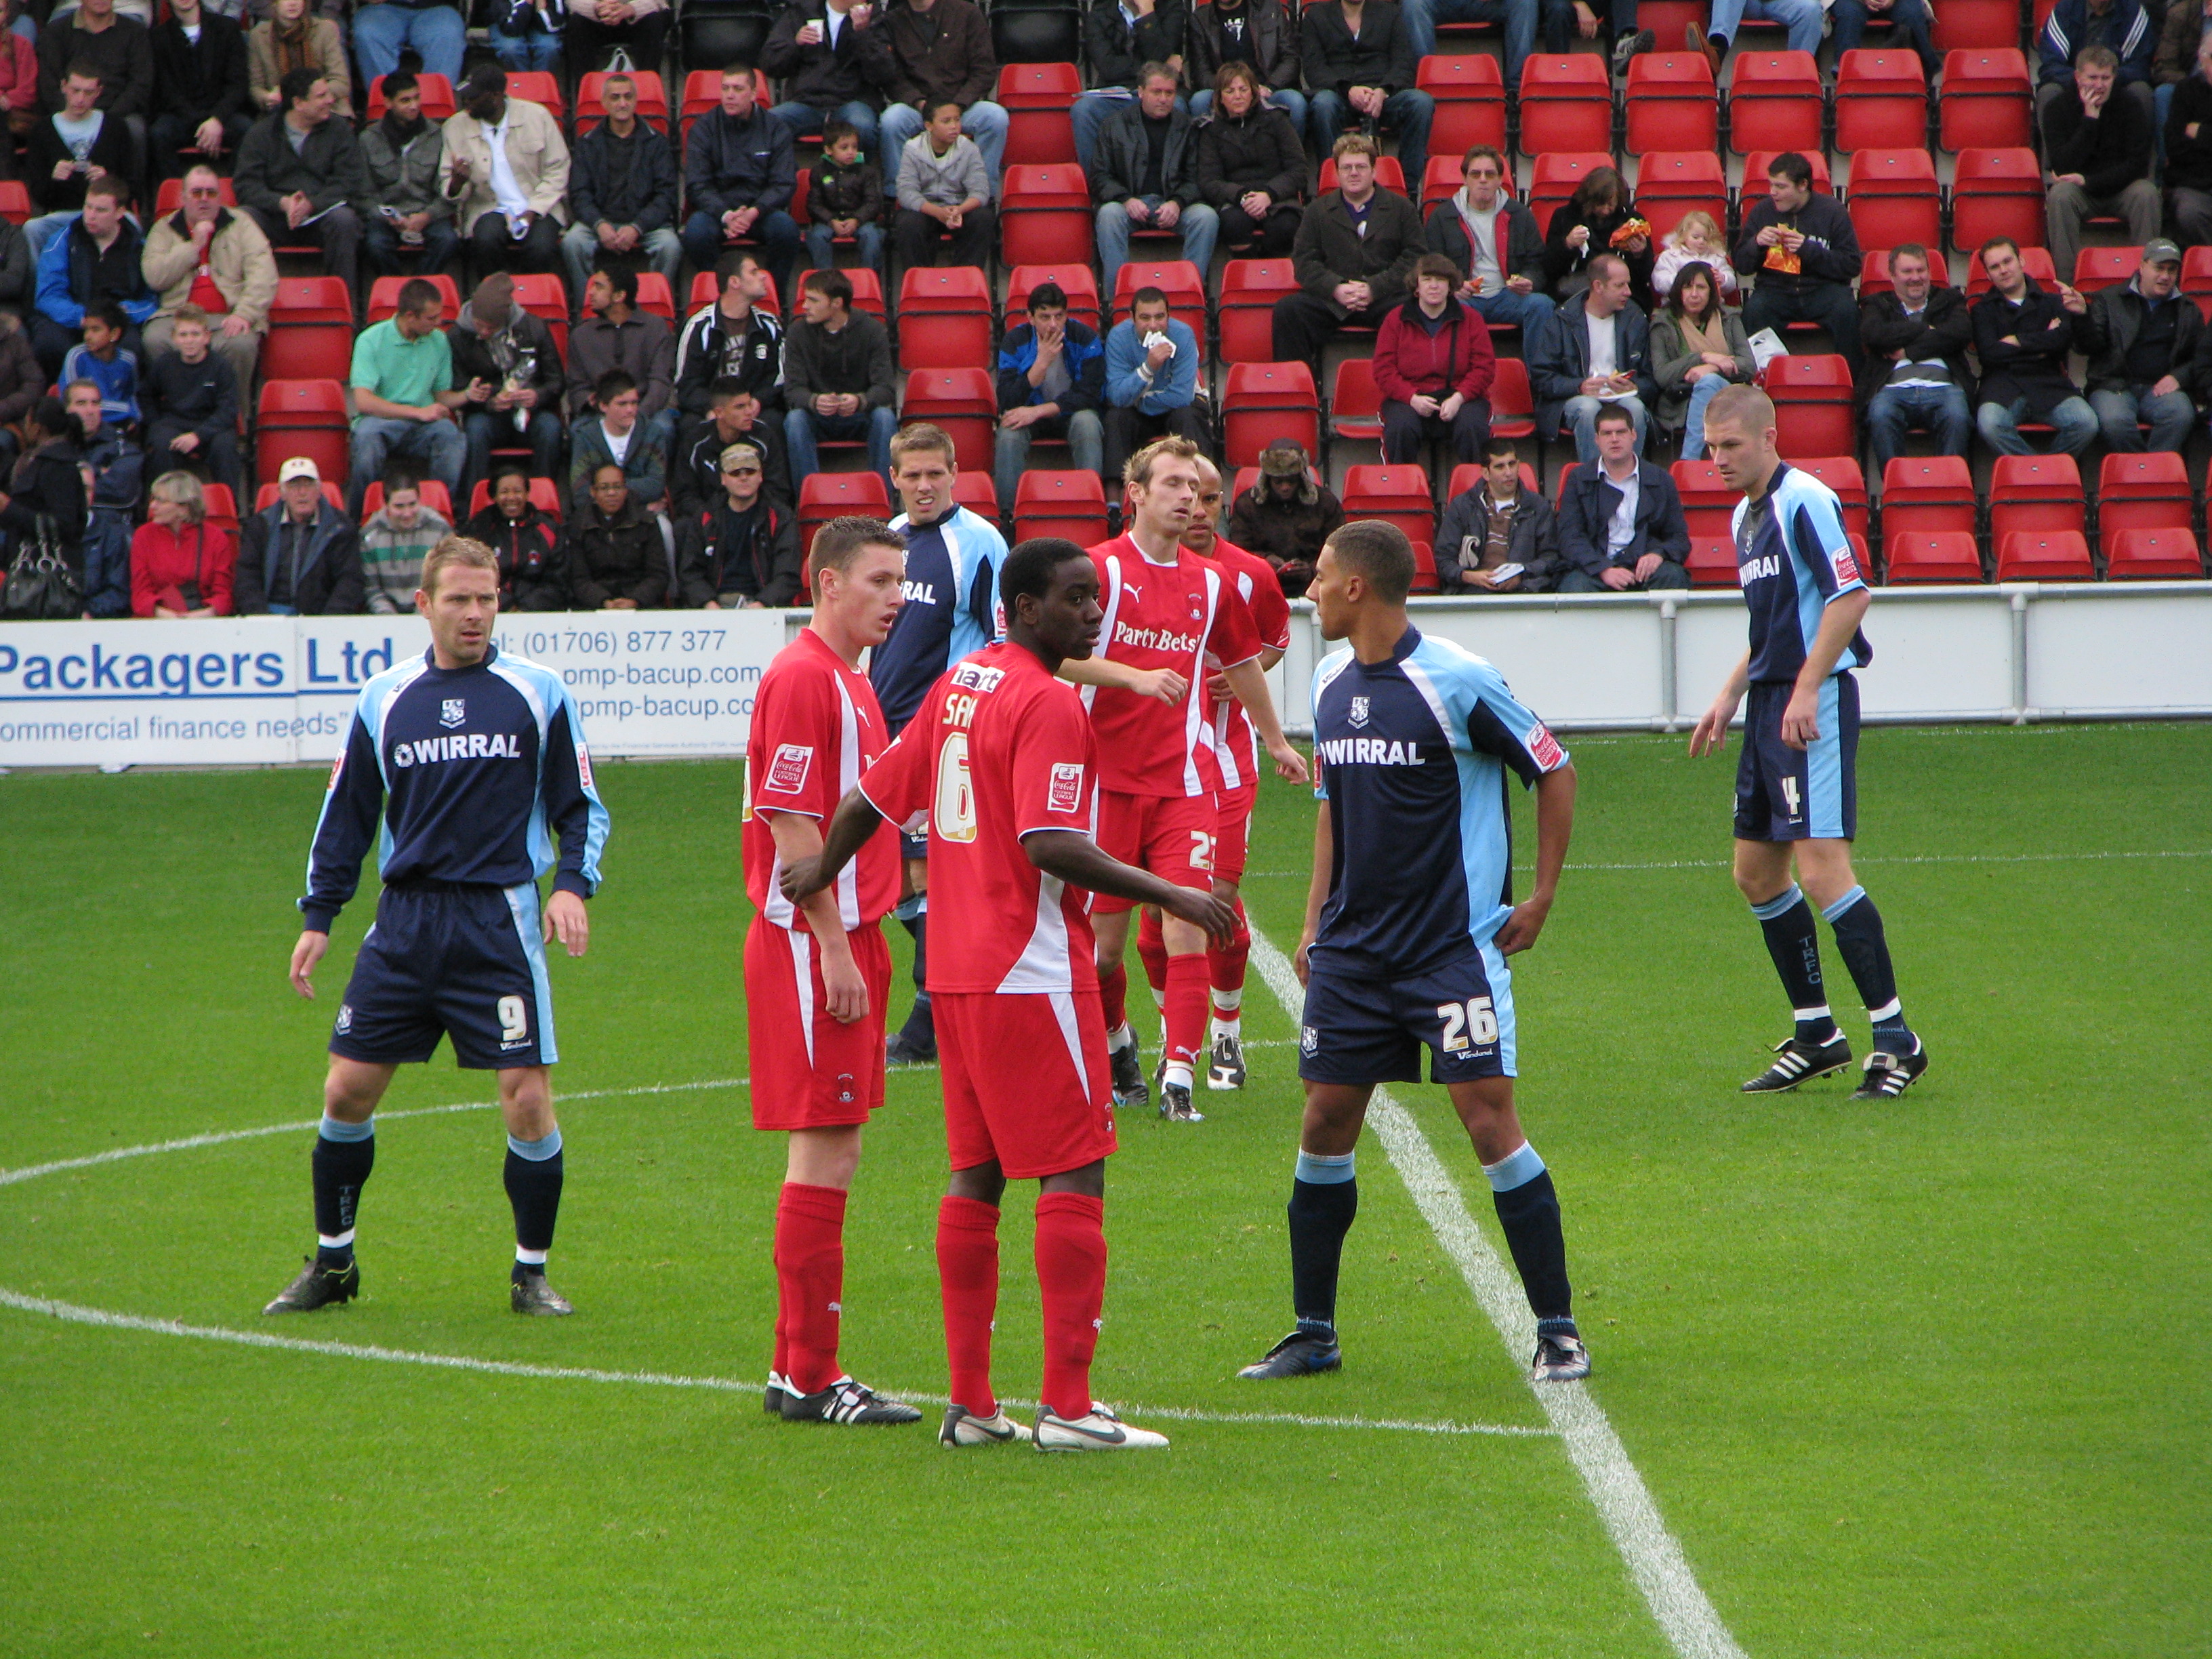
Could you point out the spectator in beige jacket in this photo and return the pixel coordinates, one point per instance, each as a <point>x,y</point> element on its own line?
<point>205,239</point>
<point>510,214</point>
<point>288,38</point>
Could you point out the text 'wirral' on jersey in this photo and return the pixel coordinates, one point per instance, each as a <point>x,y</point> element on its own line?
<point>1793,556</point>
<point>475,770</point>
<point>952,608</point>
<point>1411,755</point>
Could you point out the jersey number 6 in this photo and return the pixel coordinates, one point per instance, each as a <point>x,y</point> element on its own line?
<point>1474,1023</point>
<point>954,808</point>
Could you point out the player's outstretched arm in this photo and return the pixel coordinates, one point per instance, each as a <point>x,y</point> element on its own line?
<point>1800,720</point>
<point>305,955</point>
<point>1249,683</point>
<point>1081,862</point>
<point>1555,824</point>
<point>850,826</point>
<point>1316,889</point>
<point>1164,683</point>
<point>1710,735</point>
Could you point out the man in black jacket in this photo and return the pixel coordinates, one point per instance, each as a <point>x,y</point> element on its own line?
<point>2097,148</point>
<point>1145,178</point>
<point>1118,41</point>
<point>302,177</point>
<point>694,475</point>
<point>834,58</point>
<point>1360,65</point>
<point>1260,33</point>
<point>739,176</point>
<point>1621,526</point>
<point>1916,374</point>
<point>944,52</point>
<point>621,193</point>
<point>1805,255</point>
<point>301,556</point>
<point>742,553</point>
<point>737,335</point>
<point>2022,334</point>
<point>1499,536</point>
<point>199,88</point>
<point>2143,338</point>
<point>1494,238</point>
<point>507,361</point>
<point>1354,258</point>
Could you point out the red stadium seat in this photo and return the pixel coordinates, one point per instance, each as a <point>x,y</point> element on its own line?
<point>867,290</point>
<point>1440,181</point>
<point>437,92</point>
<point>1037,98</point>
<point>1926,493</point>
<point>1470,99</point>
<point>545,495</point>
<point>1671,102</point>
<point>1567,103</point>
<point>1841,474</point>
<point>1929,556</point>
<point>1976,25</point>
<point>434,496</point>
<point>2035,261</point>
<point>2104,267</point>
<point>16,199</point>
<point>1873,272</point>
<point>1045,216</point>
<point>538,87</point>
<point>1069,504</point>
<point>2163,554</point>
<point>651,99</point>
<point>1181,281</point>
<point>170,196</point>
<point>944,317</point>
<point>1775,102</point>
<point>705,290</point>
<point>1712,562</point>
<point>2141,492</point>
<point>546,297</point>
<point>1249,289</point>
<point>1079,282</point>
<point>1894,198</point>
<point>974,490</point>
<point>1814,405</point>
<point>1996,192</point>
<point>1263,401</point>
<point>303,417</point>
<point>653,296</point>
<point>1468,474</point>
<point>964,402</point>
<point>1881,102</point>
<point>1987,101</point>
<point>384,295</point>
<point>1390,173</point>
<point>2035,493</point>
<point>1355,403</point>
<point>1425,570</point>
<point>1512,406</point>
<point>1556,177</point>
<point>1707,502</point>
<point>2045,555</point>
<point>267,495</point>
<point>221,507</point>
<point>1671,182</point>
<point>311,330</point>
<point>826,495</point>
<point>1397,495</point>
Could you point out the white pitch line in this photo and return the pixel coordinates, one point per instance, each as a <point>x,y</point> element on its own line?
<point>1655,1560</point>
<point>29,1172</point>
<point>101,1317</point>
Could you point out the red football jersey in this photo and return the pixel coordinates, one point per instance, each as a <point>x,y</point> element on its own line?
<point>998,748</point>
<point>1177,616</point>
<point>1236,745</point>
<point>817,726</point>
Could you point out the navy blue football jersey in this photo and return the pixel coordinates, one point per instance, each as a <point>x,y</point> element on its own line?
<point>460,775</point>
<point>1412,756</point>
<point>1793,556</point>
<point>952,609</point>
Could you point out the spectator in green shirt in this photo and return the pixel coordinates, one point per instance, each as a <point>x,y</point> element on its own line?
<point>402,373</point>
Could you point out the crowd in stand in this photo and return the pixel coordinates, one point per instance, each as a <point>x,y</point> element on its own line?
<point>625,462</point>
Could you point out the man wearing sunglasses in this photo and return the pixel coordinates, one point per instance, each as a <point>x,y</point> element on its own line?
<point>742,553</point>
<point>215,257</point>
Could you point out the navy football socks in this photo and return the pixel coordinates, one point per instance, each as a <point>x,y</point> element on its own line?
<point>345,1154</point>
<point>533,1189</point>
<point>1528,1210</point>
<point>1794,941</point>
<point>1324,1199</point>
<point>1865,952</point>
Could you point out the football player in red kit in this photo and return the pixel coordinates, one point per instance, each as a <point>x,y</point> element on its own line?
<point>1236,749</point>
<point>817,972</point>
<point>1001,765</point>
<point>1166,608</point>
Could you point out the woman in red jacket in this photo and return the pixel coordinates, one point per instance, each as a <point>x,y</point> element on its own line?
<point>179,566</point>
<point>1434,365</point>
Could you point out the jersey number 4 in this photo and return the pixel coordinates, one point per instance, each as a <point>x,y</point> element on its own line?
<point>1473,1023</point>
<point>954,808</point>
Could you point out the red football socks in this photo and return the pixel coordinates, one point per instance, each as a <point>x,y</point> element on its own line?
<point>1114,999</point>
<point>809,1277</point>
<point>1224,964</point>
<point>1152,950</point>
<point>1070,1264</point>
<point>968,1270</point>
<point>1186,1010</point>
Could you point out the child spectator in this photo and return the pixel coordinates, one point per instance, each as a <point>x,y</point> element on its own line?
<point>192,403</point>
<point>526,539</point>
<point>844,197</point>
<point>179,566</point>
<point>394,542</point>
<point>1696,236</point>
<point>944,190</point>
<point>102,360</point>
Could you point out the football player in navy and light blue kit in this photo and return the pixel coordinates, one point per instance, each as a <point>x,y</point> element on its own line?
<point>1409,920</point>
<point>1796,795</point>
<point>952,561</point>
<point>461,766</point>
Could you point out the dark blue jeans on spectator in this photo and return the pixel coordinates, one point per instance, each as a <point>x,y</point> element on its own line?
<point>487,429</point>
<point>1909,30</point>
<point>803,428</point>
<point>1406,112</point>
<point>2073,423</point>
<point>2170,416</point>
<point>1519,17</point>
<point>1896,410</point>
<point>777,233</point>
<point>381,246</point>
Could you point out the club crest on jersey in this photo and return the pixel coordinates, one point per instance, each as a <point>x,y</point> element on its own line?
<point>786,773</point>
<point>1065,794</point>
<point>1544,747</point>
<point>1359,714</point>
<point>1309,1040</point>
<point>345,1018</point>
<point>453,711</point>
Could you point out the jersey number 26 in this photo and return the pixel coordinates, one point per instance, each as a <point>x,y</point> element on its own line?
<point>1476,1022</point>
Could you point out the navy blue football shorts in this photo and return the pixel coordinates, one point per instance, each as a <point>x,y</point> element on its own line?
<point>447,959</point>
<point>1367,1028</point>
<point>1799,794</point>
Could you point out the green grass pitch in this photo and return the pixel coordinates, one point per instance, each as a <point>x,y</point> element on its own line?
<point>1918,1379</point>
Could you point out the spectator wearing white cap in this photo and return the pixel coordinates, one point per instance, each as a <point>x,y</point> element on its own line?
<point>301,556</point>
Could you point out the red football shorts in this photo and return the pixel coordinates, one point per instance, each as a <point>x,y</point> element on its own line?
<point>1233,830</point>
<point>1170,835</point>
<point>1025,1080</point>
<point>809,1071</point>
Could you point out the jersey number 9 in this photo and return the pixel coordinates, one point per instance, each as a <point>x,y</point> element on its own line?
<point>1476,1022</point>
<point>955,809</point>
<point>514,1019</point>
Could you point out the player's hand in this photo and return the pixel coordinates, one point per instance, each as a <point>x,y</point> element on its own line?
<point>1290,765</point>
<point>843,990</point>
<point>1800,720</point>
<point>1521,928</point>
<point>802,879</point>
<point>1710,735</point>
<point>566,916</point>
<point>1298,960</point>
<point>1162,682</point>
<point>1204,910</point>
<point>305,955</point>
